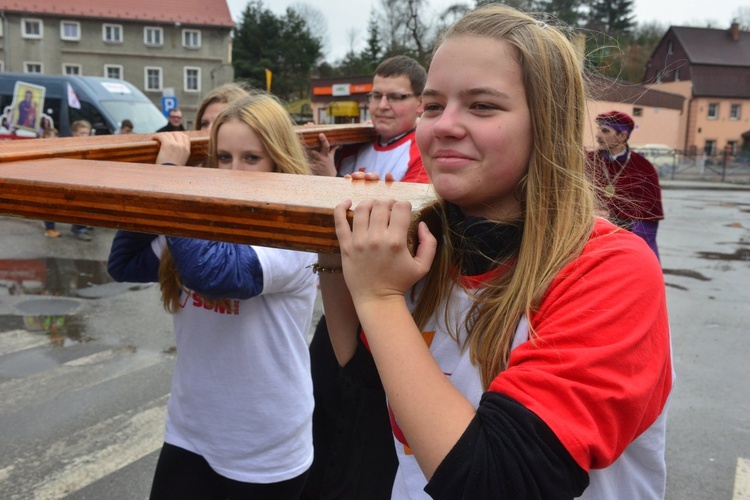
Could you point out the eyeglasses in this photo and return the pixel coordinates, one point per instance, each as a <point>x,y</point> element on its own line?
<point>391,98</point>
<point>176,116</point>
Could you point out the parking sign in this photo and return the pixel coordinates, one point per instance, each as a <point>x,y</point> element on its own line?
<point>167,104</point>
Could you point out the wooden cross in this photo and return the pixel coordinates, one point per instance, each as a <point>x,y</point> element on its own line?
<point>112,181</point>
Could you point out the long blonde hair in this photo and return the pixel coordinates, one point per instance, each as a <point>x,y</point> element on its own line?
<point>557,199</point>
<point>222,94</point>
<point>265,115</point>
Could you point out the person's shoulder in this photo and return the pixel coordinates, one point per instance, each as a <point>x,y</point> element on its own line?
<point>643,163</point>
<point>636,156</point>
<point>410,137</point>
<point>285,256</point>
<point>619,247</point>
<point>403,142</point>
<point>606,234</point>
<point>612,256</point>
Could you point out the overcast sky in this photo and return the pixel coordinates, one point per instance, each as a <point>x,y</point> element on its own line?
<point>343,16</point>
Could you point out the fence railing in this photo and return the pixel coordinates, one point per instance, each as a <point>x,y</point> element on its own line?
<point>677,165</point>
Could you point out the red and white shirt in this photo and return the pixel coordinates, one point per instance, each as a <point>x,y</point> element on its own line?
<point>598,370</point>
<point>400,158</point>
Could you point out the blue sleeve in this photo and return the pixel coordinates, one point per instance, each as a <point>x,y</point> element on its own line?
<point>132,259</point>
<point>217,269</point>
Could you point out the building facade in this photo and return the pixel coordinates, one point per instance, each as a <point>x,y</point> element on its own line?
<point>657,115</point>
<point>340,100</point>
<point>711,69</point>
<point>179,49</point>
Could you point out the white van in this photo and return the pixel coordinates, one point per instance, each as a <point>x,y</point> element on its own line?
<point>103,102</point>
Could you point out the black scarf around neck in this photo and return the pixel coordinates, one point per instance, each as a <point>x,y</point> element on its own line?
<point>481,243</point>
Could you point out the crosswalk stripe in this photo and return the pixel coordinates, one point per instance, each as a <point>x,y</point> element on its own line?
<point>92,359</point>
<point>90,454</point>
<point>742,480</point>
<point>75,375</point>
<point>20,340</point>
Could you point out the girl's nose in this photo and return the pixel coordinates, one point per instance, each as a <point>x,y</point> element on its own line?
<point>449,124</point>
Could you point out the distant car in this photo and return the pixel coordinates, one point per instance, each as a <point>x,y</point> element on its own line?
<point>660,155</point>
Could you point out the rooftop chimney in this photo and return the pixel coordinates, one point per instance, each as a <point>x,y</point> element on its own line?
<point>734,31</point>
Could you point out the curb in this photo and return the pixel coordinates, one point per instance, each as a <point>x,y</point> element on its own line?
<point>699,185</point>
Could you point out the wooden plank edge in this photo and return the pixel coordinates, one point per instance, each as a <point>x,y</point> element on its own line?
<point>142,148</point>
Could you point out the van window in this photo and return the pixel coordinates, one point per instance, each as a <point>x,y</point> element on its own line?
<point>89,113</point>
<point>145,116</point>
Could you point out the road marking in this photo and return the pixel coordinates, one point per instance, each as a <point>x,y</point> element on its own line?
<point>742,480</point>
<point>20,340</point>
<point>92,359</point>
<point>75,375</point>
<point>88,455</point>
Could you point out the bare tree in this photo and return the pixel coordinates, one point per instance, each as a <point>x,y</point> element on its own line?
<point>416,29</point>
<point>316,21</point>
<point>742,16</point>
<point>352,34</point>
<point>447,17</point>
<point>392,17</point>
<point>404,29</point>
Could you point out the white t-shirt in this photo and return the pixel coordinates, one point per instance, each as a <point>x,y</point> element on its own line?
<point>241,390</point>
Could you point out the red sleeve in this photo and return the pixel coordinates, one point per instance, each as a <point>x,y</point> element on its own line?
<point>415,172</point>
<point>599,372</point>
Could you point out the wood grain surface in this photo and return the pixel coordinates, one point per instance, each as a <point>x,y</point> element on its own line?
<point>269,209</point>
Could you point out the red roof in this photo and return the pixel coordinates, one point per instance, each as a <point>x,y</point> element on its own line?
<point>192,12</point>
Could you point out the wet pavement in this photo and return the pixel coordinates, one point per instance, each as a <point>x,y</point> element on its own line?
<point>704,243</point>
<point>85,363</point>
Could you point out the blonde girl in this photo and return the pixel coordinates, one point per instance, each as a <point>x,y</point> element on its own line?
<point>521,355</point>
<point>216,101</point>
<point>239,418</point>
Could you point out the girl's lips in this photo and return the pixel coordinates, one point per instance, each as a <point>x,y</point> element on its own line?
<point>448,155</point>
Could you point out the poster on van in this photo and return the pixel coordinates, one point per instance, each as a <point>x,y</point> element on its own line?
<point>25,117</point>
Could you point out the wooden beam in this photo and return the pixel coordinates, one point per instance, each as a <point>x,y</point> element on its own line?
<point>269,209</point>
<point>141,148</point>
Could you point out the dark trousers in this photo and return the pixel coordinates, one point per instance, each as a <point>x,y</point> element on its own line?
<point>354,454</point>
<point>184,475</point>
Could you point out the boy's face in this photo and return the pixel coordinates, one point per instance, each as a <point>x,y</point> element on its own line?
<point>609,138</point>
<point>82,132</point>
<point>392,118</point>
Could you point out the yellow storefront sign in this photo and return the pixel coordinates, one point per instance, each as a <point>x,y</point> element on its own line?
<point>349,109</point>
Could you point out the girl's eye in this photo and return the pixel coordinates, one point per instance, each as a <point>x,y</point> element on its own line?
<point>431,107</point>
<point>483,106</point>
<point>251,158</point>
<point>223,158</point>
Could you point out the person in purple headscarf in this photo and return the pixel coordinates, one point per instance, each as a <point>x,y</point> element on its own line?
<point>627,182</point>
